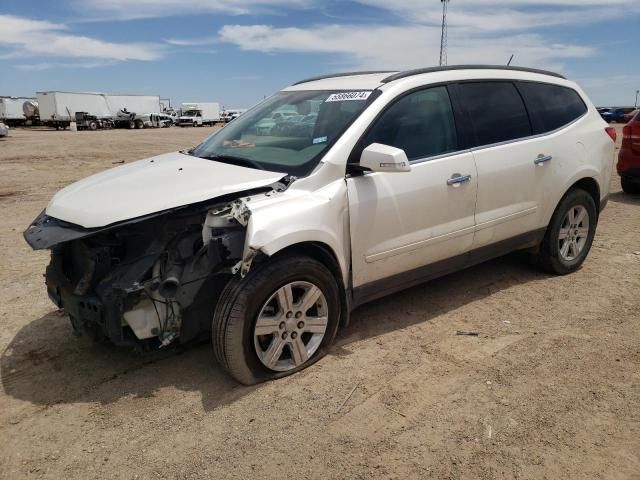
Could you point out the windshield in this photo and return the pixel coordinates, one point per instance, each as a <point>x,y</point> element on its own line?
<point>190,113</point>
<point>287,133</point>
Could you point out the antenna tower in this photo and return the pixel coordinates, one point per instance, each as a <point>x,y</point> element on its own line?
<point>443,37</point>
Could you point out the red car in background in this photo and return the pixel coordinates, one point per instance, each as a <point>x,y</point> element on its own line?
<point>629,158</point>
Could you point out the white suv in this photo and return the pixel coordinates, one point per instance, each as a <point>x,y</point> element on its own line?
<point>382,180</point>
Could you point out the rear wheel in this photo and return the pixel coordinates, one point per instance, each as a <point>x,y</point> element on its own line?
<point>139,124</point>
<point>278,320</point>
<point>569,234</point>
<point>629,186</point>
<point>93,126</point>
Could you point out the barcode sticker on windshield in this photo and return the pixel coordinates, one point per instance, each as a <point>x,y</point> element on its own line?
<point>347,96</point>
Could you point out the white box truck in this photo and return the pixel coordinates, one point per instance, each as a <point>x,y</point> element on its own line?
<point>11,111</point>
<point>197,114</point>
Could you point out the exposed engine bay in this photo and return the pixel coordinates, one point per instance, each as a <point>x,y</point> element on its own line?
<point>151,281</point>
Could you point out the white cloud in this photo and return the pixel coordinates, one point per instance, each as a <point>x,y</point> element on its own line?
<point>378,46</point>
<point>192,42</point>
<point>130,10</point>
<point>486,31</point>
<point>513,15</point>
<point>36,67</point>
<point>29,37</point>
<point>480,30</point>
<point>610,81</point>
<point>483,14</point>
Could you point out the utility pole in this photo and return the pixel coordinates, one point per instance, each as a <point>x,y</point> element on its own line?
<point>443,36</point>
<point>636,105</point>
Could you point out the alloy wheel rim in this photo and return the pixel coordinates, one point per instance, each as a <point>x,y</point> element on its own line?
<point>574,232</point>
<point>290,326</point>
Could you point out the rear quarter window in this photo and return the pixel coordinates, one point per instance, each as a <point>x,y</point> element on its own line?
<point>551,106</point>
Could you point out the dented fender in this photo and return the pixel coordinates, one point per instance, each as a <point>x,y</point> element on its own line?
<point>280,220</point>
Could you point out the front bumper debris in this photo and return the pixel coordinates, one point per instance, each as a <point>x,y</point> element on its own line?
<point>151,280</point>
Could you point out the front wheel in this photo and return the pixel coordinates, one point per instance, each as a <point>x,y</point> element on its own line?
<point>570,234</point>
<point>278,320</point>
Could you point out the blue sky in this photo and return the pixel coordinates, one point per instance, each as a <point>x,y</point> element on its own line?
<point>238,51</point>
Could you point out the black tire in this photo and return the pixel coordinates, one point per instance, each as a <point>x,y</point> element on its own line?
<point>549,257</point>
<point>630,187</point>
<point>139,124</point>
<point>93,126</point>
<point>131,125</point>
<point>240,303</point>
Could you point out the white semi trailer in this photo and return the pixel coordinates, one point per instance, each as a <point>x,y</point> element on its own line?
<point>59,109</point>
<point>11,111</point>
<point>133,111</point>
<point>197,114</point>
<point>142,104</point>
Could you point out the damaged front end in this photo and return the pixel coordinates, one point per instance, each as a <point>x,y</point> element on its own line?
<point>149,281</point>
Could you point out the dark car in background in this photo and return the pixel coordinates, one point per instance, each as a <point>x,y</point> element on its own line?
<point>629,157</point>
<point>612,115</point>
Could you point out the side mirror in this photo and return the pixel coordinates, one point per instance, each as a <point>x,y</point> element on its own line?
<point>383,158</point>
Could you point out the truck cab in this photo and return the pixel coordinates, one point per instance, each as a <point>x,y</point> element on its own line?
<point>190,118</point>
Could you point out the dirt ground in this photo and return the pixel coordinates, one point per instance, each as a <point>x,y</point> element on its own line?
<point>549,389</point>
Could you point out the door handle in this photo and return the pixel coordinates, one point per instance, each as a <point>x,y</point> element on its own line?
<point>542,159</point>
<point>457,179</point>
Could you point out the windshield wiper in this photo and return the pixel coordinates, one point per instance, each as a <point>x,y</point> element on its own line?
<point>240,161</point>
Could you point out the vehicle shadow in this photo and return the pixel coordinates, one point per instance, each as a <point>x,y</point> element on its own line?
<point>46,364</point>
<point>625,198</point>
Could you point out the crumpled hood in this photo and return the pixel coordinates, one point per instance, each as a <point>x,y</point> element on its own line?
<point>150,186</point>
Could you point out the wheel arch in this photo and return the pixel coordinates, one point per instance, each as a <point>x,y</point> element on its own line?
<point>589,185</point>
<point>587,180</point>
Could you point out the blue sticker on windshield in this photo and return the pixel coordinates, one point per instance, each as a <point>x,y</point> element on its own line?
<point>319,140</point>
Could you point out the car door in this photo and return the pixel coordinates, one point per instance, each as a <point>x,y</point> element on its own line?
<point>512,164</point>
<point>401,222</point>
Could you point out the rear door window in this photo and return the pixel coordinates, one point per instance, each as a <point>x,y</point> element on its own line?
<point>551,106</point>
<point>496,111</point>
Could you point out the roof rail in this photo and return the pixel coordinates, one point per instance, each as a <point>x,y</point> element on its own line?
<point>410,73</point>
<point>346,74</point>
